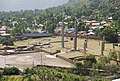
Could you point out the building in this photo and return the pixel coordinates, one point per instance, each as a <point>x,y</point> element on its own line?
<point>3,29</point>
<point>95,24</point>
<point>14,23</point>
<point>103,22</point>
<point>5,35</point>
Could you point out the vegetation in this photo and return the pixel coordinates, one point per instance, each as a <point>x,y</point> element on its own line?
<point>11,71</point>
<point>45,74</point>
<point>89,69</point>
<point>27,21</point>
<point>7,42</point>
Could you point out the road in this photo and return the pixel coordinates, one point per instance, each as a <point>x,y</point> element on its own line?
<point>32,59</point>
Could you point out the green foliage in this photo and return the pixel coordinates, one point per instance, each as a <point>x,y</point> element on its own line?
<point>104,63</point>
<point>13,78</point>
<point>78,69</point>
<point>2,40</point>
<point>100,79</point>
<point>104,60</point>
<point>115,56</point>
<point>49,74</point>
<point>8,42</point>
<point>55,74</point>
<point>81,26</point>
<point>11,71</point>
<point>1,74</point>
<point>89,61</point>
<point>110,34</point>
<point>91,9</point>
<point>111,68</point>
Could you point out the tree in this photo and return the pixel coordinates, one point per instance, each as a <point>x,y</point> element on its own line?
<point>89,61</point>
<point>8,42</point>
<point>104,60</point>
<point>81,26</point>
<point>115,56</point>
<point>78,69</point>
<point>110,34</point>
<point>11,71</point>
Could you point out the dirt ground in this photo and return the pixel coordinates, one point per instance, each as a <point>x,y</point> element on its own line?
<point>31,59</point>
<point>94,46</point>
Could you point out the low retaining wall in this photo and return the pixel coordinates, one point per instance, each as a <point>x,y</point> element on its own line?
<point>68,60</point>
<point>41,50</point>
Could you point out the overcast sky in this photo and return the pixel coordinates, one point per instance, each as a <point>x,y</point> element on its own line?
<point>14,5</point>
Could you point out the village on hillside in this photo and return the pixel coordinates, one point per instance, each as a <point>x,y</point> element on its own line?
<point>65,43</point>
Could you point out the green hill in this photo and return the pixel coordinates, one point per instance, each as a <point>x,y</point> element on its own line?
<point>91,9</point>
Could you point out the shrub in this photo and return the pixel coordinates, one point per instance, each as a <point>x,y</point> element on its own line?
<point>11,71</point>
<point>89,61</point>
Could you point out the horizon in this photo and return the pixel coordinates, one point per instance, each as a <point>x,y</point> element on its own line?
<point>17,5</point>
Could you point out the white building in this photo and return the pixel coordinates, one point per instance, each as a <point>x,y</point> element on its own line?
<point>116,80</point>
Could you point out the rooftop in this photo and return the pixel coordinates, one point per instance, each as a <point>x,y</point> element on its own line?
<point>37,35</point>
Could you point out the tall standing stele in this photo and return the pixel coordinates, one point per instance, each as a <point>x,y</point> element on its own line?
<point>75,36</point>
<point>63,26</point>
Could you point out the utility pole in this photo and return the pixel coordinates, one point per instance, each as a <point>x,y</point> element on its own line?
<point>75,35</point>
<point>63,26</point>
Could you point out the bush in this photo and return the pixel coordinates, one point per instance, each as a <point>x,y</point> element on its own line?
<point>89,61</point>
<point>11,71</point>
<point>100,79</point>
<point>111,68</point>
<point>113,38</point>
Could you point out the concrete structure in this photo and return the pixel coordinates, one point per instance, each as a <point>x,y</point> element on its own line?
<point>37,35</point>
<point>26,60</point>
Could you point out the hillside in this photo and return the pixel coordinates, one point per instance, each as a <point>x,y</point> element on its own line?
<point>92,9</point>
<point>106,8</point>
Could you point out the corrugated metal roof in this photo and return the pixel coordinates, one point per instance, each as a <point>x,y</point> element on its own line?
<point>37,35</point>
